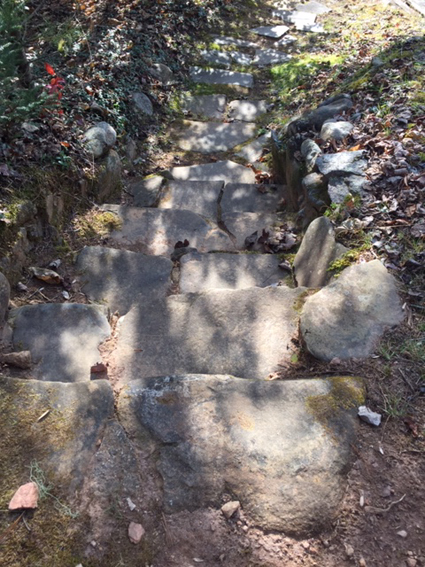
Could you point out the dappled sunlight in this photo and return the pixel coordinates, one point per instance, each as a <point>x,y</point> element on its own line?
<point>210,137</point>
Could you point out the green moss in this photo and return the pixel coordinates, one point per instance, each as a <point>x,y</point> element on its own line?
<point>347,259</point>
<point>345,393</point>
<point>97,223</point>
<point>302,298</point>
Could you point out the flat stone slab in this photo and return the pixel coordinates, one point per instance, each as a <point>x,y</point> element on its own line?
<point>146,192</point>
<point>234,41</point>
<point>210,137</point>
<point>63,339</point>
<point>156,231</point>
<point>64,443</point>
<point>221,77</point>
<point>121,278</point>
<point>282,448</point>
<point>285,41</point>
<point>242,225</point>
<point>340,186</point>
<point>264,57</point>
<point>274,32</point>
<point>246,332</point>
<point>210,106</point>
<point>347,318</point>
<point>342,163</point>
<point>254,150</point>
<point>202,272</point>
<point>200,197</point>
<point>216,57</point>
<point>317,252</point>
<point>227,171</point>
<point>297,18</point>
<point>247,198</point>
<point>247,110</point>
<point>313,7</point>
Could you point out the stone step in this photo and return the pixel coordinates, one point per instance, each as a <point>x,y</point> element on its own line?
<point>264,57</point>
<point>273,32</point>
<point>227,171</point>
<point>253,151</point>
<point>122,278</point>
<point>243,225</point>
<point>313,7</point>
<point>221,77</point>
<point>250,198</point>
<point>211,137</point>
<point>146,192</point>
<point>63,339</point>
<point>244,332</point>
<point>208,106</point>
<point>200,197</point>
<point>281,448</point>
<point>156,231</point>
<point>247,110</point>
<point>203,272</point>
<point>223,40</point>
<point>226,58</point>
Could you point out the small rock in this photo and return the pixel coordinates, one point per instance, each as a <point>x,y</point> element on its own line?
<point>66,295</point>
<point>230,508</point>
<point>349,550</point>
<point>163,74</point>
<point>362,562</point>
<point>411,562</point>
<point>25,497</point>
<point>135,532</point>
<point>131,504</point>
<point>143,103</point>
<point>99,139</point>
<point>54,265</point>
<point>21,287</point>
<point>19,359</point>
<point>387,492</point>
<point>402,533</point>
<point>335,130</point>
<point>310,151</point>
<point>377,62</point>
<point>369,416</point>
<point>45,275</point>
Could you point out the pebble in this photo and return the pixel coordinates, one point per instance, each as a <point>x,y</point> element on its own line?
<point>349,550</point>
<point>230,508</point>
<point>25,497</point>
<point>402,533</point>
<point>135,532</point>
<point>411,562</point>
<point>362,562</point>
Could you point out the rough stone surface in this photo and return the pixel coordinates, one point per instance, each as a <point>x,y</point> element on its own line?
<point>274,32</point>
<point>219,77</point>
<point>340,186</point>
<point>65,441</point>
<point>98,139</point>
<point>234,41</point>
<point>242,225</point>
<point>146,192</point>
<point>337,131</point>
<point>4,299</point>
<point>264,57</point>
<point>247,110</point>
<point>328,109</point>
<point>310,152</point>
<point>143,103</point>
<point>342,163</point>
<point>122,278</point>
<point>313,7</point>
<point>246,332</point>
<point>241,58</point>
<point>216,57</point>
<point>135,532</point>
<point>347,318</point>
<point>200,197</point>
<point>202,272</point>
<point>299,19</point>
<point>156,231</point>
<point>254,150</point>
<point>63,339</point>
<point>109,183</point>
<point>25,497</point>
<point>230,508</point>
<point>262,441</point>
<point>246,198</point>
<point>163,73</point>
<point>20,359</point>
<point>227,171</point>
<point>317,252</point>
<point>210,137</point>
<point>210,106</point>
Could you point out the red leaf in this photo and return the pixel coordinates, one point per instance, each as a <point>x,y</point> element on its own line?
<point>49,69</point>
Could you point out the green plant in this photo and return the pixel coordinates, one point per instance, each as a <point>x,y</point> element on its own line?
<point>21,97</point>
<point>38,476</point>
<point>394,405</point>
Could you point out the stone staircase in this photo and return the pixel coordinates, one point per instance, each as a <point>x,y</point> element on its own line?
<point>204,321</point>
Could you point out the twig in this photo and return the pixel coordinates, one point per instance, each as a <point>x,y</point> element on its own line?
<point>12,526</point>
<point>406,380</point>
<point>374,510</point>
<point>25,522</point>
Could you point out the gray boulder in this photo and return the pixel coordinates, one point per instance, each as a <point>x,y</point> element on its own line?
<point>109,182</point>
<point>339,187</point>
<point>310,152</point>
<point>99,139</point>
<point>146,192</point>
<point>317,252</point>
<point>342,163</point>
<point>143,103</point>
<point>347,318</point>
<point>282,448</point>
<point>337,130</point>
<point>163,73</point>
<point>63,339</point>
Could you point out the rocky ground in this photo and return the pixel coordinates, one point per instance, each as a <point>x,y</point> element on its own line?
<point>189,338</point>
